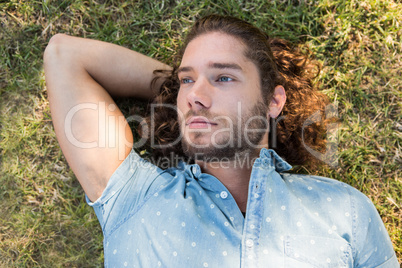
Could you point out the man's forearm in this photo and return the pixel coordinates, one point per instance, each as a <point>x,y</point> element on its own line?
<point>121,71</point>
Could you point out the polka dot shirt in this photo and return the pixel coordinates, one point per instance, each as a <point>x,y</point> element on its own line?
<point>181,217</point>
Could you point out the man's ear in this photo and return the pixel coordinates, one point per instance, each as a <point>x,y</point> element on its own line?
<point>277,102</point>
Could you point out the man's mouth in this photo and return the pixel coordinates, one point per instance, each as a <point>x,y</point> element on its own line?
<point>199,122</point>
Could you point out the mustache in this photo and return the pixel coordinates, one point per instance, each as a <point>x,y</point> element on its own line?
<point>204,113</point>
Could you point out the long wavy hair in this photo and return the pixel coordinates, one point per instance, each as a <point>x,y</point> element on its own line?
<point>279,63</point>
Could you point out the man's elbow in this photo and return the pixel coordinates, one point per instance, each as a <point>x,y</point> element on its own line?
<point>53,49</point>
<point>58,61</point>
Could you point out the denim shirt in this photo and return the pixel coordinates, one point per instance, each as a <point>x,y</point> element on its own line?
<point>181,217</point>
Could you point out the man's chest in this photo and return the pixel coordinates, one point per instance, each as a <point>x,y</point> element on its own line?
<point>203,229</point>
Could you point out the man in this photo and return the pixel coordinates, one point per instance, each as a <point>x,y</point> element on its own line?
<point>219,211</point>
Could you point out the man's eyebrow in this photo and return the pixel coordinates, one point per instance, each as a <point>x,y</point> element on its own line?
<point>184,69</point>
<point>213,65</point>
<point>217,65</point>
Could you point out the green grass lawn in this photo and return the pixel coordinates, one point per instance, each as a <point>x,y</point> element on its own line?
<point>44,220</point>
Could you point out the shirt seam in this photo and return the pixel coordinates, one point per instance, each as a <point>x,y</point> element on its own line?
<point>393,258</point>
<point>138,207</point>
<point>354,223</point>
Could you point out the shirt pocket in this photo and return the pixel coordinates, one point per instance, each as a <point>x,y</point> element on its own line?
<point>318,252</point>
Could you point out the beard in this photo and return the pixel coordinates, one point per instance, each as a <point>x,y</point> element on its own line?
<point>239,137</point>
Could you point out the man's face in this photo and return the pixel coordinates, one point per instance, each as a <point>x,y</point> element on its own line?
<point>221,110</point>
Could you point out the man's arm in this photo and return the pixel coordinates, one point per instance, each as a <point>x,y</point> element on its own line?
<point>81,77</point>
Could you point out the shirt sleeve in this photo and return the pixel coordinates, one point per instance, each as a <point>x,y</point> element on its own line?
<point>373,246</point>
<point>127,189</point>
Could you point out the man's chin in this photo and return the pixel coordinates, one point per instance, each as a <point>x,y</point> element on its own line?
<point>214,153</point>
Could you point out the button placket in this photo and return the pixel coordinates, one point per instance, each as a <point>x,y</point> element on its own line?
<point>253,221</point>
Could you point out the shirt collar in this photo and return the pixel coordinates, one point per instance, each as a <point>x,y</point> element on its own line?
<point>270,159</point>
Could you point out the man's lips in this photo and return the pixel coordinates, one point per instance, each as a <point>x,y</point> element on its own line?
<point>199,122</point>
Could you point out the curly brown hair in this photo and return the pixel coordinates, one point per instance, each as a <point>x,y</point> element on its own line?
<point>278,63</point>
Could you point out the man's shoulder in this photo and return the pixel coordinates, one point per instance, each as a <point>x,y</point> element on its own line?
<point>330,196</point>
<point>318,187</point>
<point>312,179</point>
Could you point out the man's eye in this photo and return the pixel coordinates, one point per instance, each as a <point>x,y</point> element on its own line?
<point>224,79</point>
<point>186,81</point>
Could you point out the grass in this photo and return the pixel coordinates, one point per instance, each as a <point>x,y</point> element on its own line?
<point>45,221</point>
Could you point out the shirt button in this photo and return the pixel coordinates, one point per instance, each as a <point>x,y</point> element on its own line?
<point>224,194</point>
<point>249,243</point>
<point>194,169</point>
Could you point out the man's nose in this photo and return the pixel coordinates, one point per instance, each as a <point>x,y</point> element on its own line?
<point>200,96</point>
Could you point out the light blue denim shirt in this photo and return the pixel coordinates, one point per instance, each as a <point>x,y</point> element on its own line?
<point>181,217</point>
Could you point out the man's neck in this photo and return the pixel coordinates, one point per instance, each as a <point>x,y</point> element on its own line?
<point>234,175</point>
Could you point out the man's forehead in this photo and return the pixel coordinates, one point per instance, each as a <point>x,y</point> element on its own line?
<point>214,43</point>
